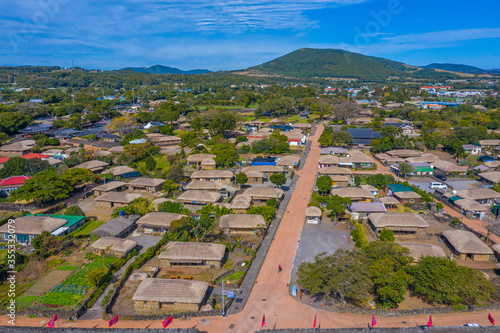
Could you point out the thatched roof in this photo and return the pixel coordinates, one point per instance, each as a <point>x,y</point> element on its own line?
<point>313,211</point>
<point>389,201</point>
<point>240,204</point>
<point>34,225</point>
<point>489,142</point>
<point>161,219</point>
<point>264,193</point>
<point>114,244</point>
<point>92,165</point>
<point>118,197</point>
<point>254,174</point>
<point>204,174</point>
<point>204,185</point>
<point>143,181</point>
<point>447,166</point>
<point>263,168</point>
<point>289,160</point>
<point>356,156</point>
<point>403,153</point>
<point>496,248</point>
<point>466,242</point>
<point>242,221</point>
<point>198,158</point>
<point>396,219</point>
<point>242,197</point>
<point>156,202</point>
<point>53,161</point>
<point>407,195</point>
<point>193,251</point>
<point>382,157</point>
<point>478,193</point>
<point>18,146</point>
<point>334,171</point>
<point>354,193</point>
<point>493,177</point>
<point>329,159</point>
<point>171,291</point>
<point>118,170</point>
<point>423,250</point>
<point>117,149</point>
<point>199,196</point>
<point>208,161</point>
<point>109,186</point>
<point>470,205</point>
<point>369,188</point>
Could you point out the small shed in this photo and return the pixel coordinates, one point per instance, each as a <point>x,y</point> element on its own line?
<point>110,187</point>
<point>155,222</point>
<point>144,184</point>
<point>390,202</point>
<point>118,227</point>
<point>117,247</point>
<point>313,215</point>
<point>407,197</point>
<point>241,223</point>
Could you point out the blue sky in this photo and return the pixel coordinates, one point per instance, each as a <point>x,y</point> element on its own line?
<point>235,34</point>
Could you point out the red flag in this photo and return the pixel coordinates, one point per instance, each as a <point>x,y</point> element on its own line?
<point>52,322</point>
<point>490,318</point>
<point>167,322</point>
<point>374,321</point>
<point>314,325</point>
<point>113,321</point>
<point>263,321</point>
<point>429,323</point>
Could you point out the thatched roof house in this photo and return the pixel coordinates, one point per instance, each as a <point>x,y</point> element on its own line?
<point>418,251</point>
<point>116,199</point>
<point>28,227</point>
<point>157,222</point>
<point>353,193</point>
<point>403,153</point>
<point>264,193</point>
<point>266,169</point>
<point>482,195</point>
<point>330,171</point>
<point>116,186</point>
<point>118,170</point>
<point>94,166</point>
<point>199,197</point>
<point>151,185</point>
<point>113,246</point>
<point>223,176</point>
<point>328,160</point>
<point>448,167</point>
<point>490,177</point>
<point>198,185</point>
<point>467,245</point>
<point>313,215</point>
<point>196,159</point>
<point>193,254</point>
<point>407,197</point>
<point>403,224</point>
<point>177,295</point>
<point>241,223</point>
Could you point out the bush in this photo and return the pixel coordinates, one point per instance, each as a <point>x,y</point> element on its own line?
<point>456,221</point>
<point>387,235</point>
<point>74,210</point>
<point>359,236</point>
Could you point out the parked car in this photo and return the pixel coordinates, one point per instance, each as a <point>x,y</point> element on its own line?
<point>434,185</point>
<point>441,177</point>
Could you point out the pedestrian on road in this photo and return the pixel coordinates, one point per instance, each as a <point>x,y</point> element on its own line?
<point>279,268</point>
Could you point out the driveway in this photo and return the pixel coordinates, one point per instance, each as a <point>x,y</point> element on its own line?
<point>319,238</point>
<point>422,183</point>
<point>462,183</point>
<point>144,241</point>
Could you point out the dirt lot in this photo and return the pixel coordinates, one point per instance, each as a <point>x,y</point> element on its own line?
<point>93,209</point>
<point>46,283</point>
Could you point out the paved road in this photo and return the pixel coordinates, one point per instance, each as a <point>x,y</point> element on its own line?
<point>270,296</point>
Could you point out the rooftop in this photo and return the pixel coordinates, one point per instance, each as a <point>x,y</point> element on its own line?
<point>171,291</point>
<point>466,242</point>
<point>193,251</point>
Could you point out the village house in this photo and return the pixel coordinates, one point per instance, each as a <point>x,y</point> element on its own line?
<point>241,223</point>
<point>362,137</point>
<point>407,197</point>
<point>448,168</point>
<point>143,184</point>
<point>267,170</point>
<point>418,251</point>
<point>403,153</point>
<point>335,171</point>
<point>113,186</point>
<point>118,227</point>
<point>326,161</point>
<point>489,143</point>
<point>484,196</point>
<point>223,176</point>
<point>170,295</point>
<point>199,197</point>
<point>157,222</point>
<point>370,188</point>
<point>18,148</point>
<point>402,224</point>
<point>471,209</point>
<point>193,254</point>
<point>117,199</point>
<point>313,215</point>
<point>289,162</point>
<point>164,140</point>
<point>111,246</point>
<point>490,177</point>
<point>196,160</point>
<point>10,184</point>
<point>197,185</point>
<point>354,193</point>
<point>390,202</point>
<point>240,203</point>
<point>339,181</point>
<point>472,149</point>
<point>404,128</point>
<point>337,151</point>
<point>255,177</point>
<point>360,210</point>
<point>260,195</point>
<point>357,160</point>
<point>94,166</point>
<point>466,245</point>
<point>120,172</point>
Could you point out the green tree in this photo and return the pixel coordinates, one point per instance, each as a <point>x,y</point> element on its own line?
<point>341,138</point>
<point>150,163</point>
<point>406,168</point>
<point>338,204</point>
<point>95,276</point>
<point>175,174</point>
<point>44,186</point>
<point>139,206</point>
<point>173,207</point>
<point>325,139</point>
<point>74,210</point>
<point>272,202</point>
<point>266,211</point>
<point>241,178</point>
<point>15,166</point>
<point>324,184</point>
<point>77,176</point>
<point>169,186</point>
<point>387,235</point>
<point>225,154</point>
<point>390,284</point>
<point>278,179</point>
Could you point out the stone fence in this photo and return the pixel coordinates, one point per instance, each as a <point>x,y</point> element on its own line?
<point>414,329</point>
<point>24,329</point>
<point>182,315</point>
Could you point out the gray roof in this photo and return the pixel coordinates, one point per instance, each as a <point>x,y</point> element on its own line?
<point>118,170</point>
<point>109,186</point>
<point>493,177</point>
<point>34,225</point>
<point>466,242</point>
<point>396,219</point>
<point>171,291</point>
<point>368,207</point>
<point>423,250</point>
<point>204,185</point>
<point>144,181</point>
<point>114,244</point>
<point>92,165</point>
<point>159,219</point>
<point>118,197</point>
<point>116,226</point>
<point>478,193</point>
<point>199,196</point>
<point>193,251</point>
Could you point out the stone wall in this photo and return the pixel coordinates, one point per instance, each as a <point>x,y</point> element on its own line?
<point>456,329</point>
<point>16,329</point>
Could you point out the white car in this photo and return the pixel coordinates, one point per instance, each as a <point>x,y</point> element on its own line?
<point>437,185</point>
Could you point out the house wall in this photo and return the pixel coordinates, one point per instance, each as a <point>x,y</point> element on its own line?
<point>183,307</point>
<point>252,180</point>
<point>208,167</point>
<point>148,229</point>
<point>338,183</point>
<point>220,180</point>
<point>206,263</point>
<point>113,253</point>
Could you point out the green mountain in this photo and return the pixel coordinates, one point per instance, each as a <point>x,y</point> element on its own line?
<point>330,63</point>
<point>160,69</point>
<point>456,68</point>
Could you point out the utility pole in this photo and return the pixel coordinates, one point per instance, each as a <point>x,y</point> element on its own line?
<point>223,306</point>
